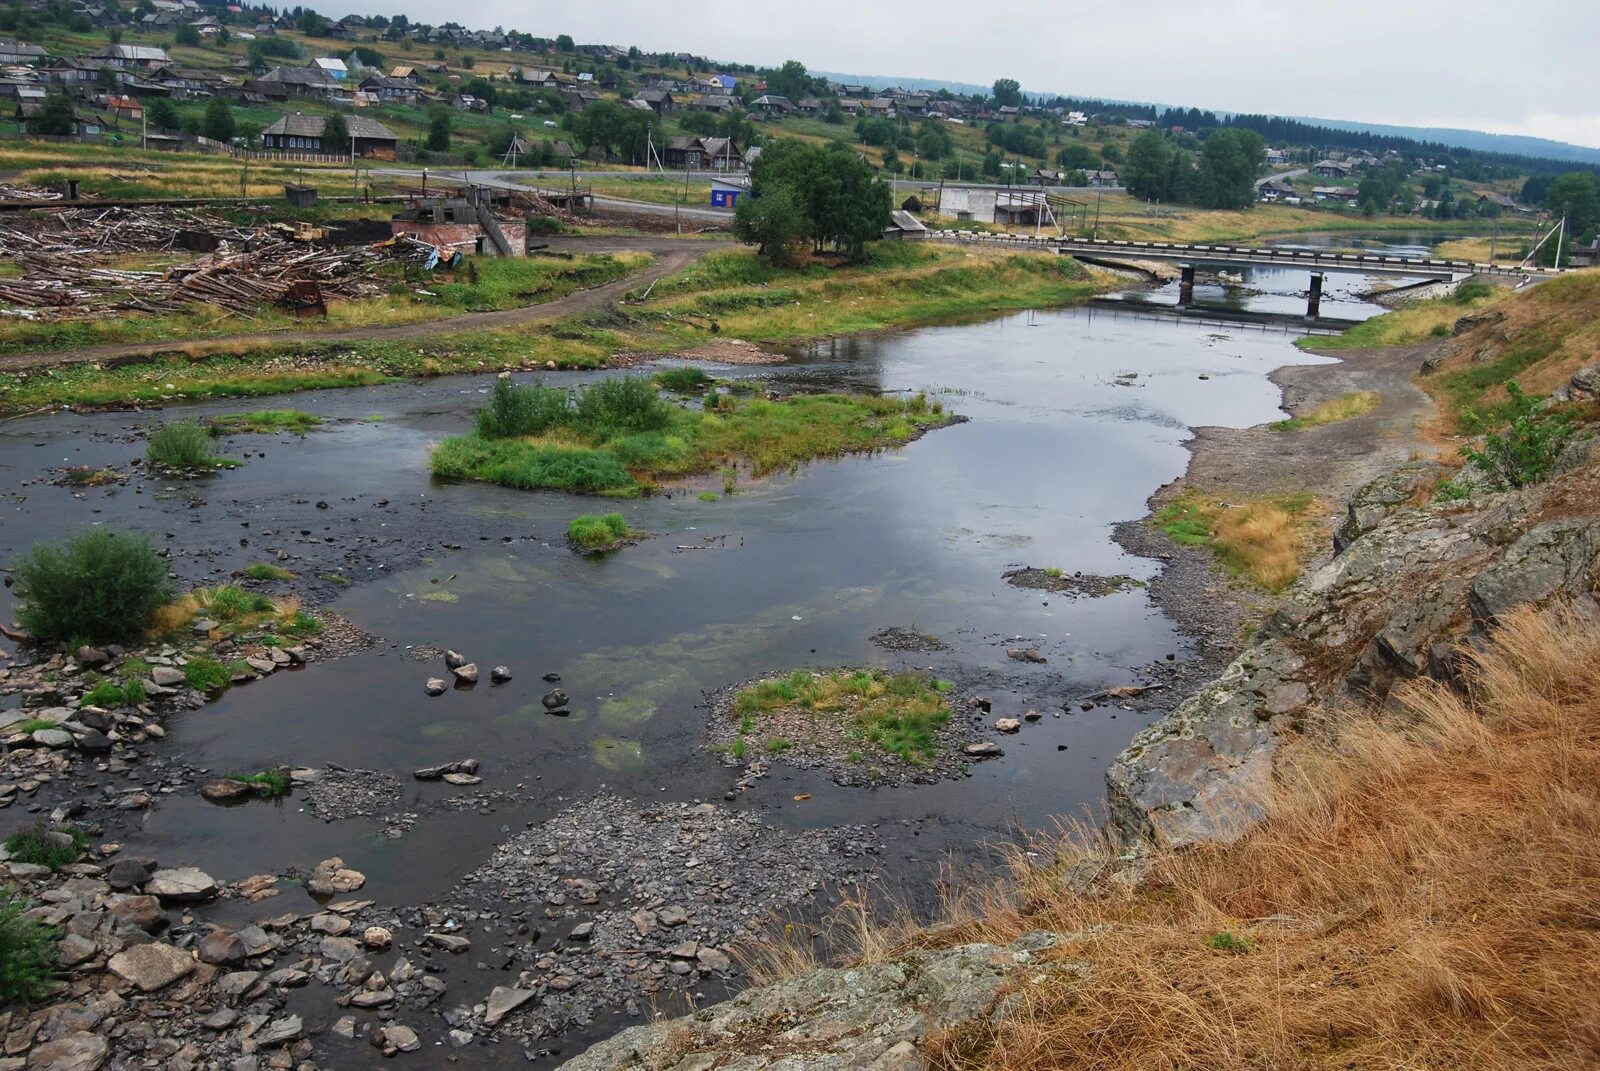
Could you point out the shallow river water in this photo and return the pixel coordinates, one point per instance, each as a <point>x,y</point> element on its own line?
<point>1076,417</point>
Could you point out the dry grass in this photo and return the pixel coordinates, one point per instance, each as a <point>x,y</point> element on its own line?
<point>1262,540</point>
<point>1344,407</point>
<point>1426,894</point>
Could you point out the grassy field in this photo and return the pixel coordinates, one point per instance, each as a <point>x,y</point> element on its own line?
<point>501,283</point>
<point>656,191</point>
<point>619,437</point>
<point>724,295</point>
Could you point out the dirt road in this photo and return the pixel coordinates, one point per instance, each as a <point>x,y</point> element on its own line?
<point>671,255</point>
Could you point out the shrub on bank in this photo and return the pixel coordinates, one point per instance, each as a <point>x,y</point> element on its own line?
<point>27,952</point>
<point>39,845</point>
<point>101,586</point>
<point>183,444</point>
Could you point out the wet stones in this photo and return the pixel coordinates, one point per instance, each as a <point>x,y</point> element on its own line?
<point>1007,725</point>
<point>1025,654</point>
<point>983,749</point>
<point>500,674</point>
<point>450,942</point>
<point>396,1038</point>
<point>225,790</point>
<point>554,700</point>
<point>454,660</point>
<point>222,947</point>
<point>435,686</point>
<point>503,1000</point>
<point>79,1051</point>
<point>332,877</point>
<point>467,674</point>
<point>376,938</point>
<point>181,885</point>
<point>436,773</point>
<point>149,967</point>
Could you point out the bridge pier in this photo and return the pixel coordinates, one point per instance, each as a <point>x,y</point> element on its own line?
<point>1314,301</point>
<point>1186,286</point>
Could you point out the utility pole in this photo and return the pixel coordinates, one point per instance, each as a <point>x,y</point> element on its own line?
<point>1560,235</point>
<point>1097,215</point>
<point>1494,241</point>
<point>355,173</point>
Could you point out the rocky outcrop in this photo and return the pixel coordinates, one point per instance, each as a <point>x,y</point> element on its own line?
<point>873,1018</point>
<point>1409,584</point>
<point>1381,497</point>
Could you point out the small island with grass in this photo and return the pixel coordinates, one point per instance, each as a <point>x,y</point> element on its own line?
<point>863,726</point>
<point>620,437</point>
<point>592,533</point>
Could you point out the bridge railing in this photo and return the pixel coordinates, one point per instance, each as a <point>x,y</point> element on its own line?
<point>1259,253</point>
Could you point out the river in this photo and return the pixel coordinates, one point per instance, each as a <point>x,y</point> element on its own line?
<point>1075,417</point>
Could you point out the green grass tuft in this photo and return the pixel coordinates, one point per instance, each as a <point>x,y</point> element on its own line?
<point>265,421</point>
<point>27,953</point>
<point>267,571</point>
<point>40,845</point>
<point>183,445</point>
<point>268,783</point>
<point>207,675</point>
<point>598,532</point>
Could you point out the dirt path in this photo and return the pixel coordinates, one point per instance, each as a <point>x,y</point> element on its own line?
<point>671,255</point>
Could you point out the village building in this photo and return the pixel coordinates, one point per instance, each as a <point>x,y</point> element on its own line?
<point>303,133</point>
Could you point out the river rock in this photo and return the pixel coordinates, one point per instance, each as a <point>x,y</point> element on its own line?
<point>500,674</point>
<point>454,660</point>
<point>1025,654</point>
<point>396,1038</point>
<point>94,657</point>
<point>712,959</point>
<point>279,1031</point>
<point>1007,725</point>
<point>52,738</point>
<point>983,749</point>
<point>376,938</point>
<point>435,686</point>
<point>435,773</point>
<point>166,676</point>
<point>503,1000</point>
<point>467,674</point>
<point>450,942</point>
<point>224,790</point>
<point>151,966</point>
<point>1378,498</point>
<point>181,885</point>
<point>129,873</point>
<point>137,912</point>
<point>222,947</point>
<point>554,699</point>
<point>332,877</point>
<point>78,1051</point>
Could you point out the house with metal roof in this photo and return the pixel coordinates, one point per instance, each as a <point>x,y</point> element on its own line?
<point>303,133</point>
<point>125,56</point>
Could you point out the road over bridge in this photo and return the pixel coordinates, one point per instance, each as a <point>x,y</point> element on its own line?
<point>1316,262</point>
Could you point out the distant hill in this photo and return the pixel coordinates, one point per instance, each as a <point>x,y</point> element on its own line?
<point>1517,144</point>
<point>1478,140</point>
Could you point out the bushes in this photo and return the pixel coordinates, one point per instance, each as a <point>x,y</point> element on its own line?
<point>102,586</point>
<point>27,952</point>
<point>530,466</point>
<point>39,845</point>
<point>682,380</point>
<point>514,410</point>
<point>207,675</point>
<point>597,532</point>
<point>621,404</point>
<point>1527,450</point>
<point>183,444</point>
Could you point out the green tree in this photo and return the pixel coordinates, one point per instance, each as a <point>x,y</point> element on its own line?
<point>1110,153</point>
<point>161,113</point>
<point>773,223</point>
<point>1146,172</point>
<point>790,80</point>
<point>1008,91</point>
<point>312,24</point>
<point>1077,157</point>
<point>56,117</point>
<point>564,43</point>
<point>186,35</point>
<point>335,135</point>
<point>991,163</point>
<point>1229,162</point>
<point>844,203</point>
<point>438,131</point>
<point>105,78</point>
<point>218,123</point>
<point>1577,195</point>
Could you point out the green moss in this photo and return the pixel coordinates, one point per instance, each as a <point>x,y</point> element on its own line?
<point>265,421</point>
<point>268,783</point>
<point>267,571</point>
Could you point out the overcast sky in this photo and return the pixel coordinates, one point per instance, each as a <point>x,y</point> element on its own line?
<point>1531,67</point>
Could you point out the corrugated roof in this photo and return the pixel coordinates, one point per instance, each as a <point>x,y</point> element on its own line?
<point>310,126</point>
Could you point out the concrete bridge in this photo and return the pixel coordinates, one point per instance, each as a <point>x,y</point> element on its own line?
<point>1317,262</point>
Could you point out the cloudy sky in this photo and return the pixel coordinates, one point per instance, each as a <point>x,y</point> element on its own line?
<point>1523,68</point>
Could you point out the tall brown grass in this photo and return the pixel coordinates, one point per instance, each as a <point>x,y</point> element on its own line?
<point>1426,894</point>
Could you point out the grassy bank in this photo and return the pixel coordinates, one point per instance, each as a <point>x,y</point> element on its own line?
<point>617,437</point>
<point>481,284</point>
<point>1261,540</point>
<point>1416,899</point>
<point>1416,322</point>
<point>1344,407</point>
<point>725,294</point>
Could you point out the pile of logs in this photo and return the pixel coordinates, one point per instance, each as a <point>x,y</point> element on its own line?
<point>62,256</point>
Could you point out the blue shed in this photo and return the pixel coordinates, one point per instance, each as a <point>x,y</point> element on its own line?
<point>726,194</point>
